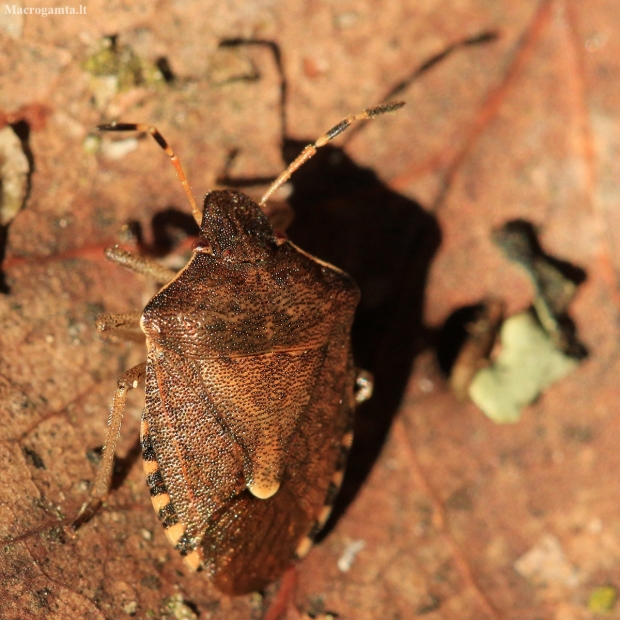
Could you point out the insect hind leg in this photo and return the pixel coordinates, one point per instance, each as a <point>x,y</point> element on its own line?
<point>364,383</point>
<point>129,380</point>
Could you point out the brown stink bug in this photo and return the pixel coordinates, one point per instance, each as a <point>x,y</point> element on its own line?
<point>250,387</point>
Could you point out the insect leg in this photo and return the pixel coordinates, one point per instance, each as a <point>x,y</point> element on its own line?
<point>140,264</point>
<point>328,136</point>
<point>364,383</point>
<point>119,327</point>
<point>110,322</point>
<point>150,129</point>
<point>127,381</point>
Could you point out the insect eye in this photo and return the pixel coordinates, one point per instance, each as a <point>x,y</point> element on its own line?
<point>202,246</point>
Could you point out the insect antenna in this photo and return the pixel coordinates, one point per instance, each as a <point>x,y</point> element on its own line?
<point>151,129</point>
<point>328,136</point>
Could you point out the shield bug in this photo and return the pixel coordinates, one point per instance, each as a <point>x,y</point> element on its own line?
<point>250,387</point>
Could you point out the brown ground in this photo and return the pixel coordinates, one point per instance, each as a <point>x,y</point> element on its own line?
<point>512,113</point>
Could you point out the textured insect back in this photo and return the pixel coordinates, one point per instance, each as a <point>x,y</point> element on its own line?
<point>249,348</point>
